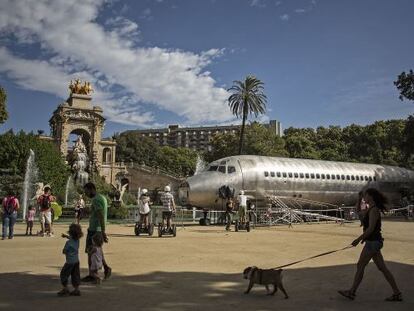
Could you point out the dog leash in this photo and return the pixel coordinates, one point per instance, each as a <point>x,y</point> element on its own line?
<point>320,255</point>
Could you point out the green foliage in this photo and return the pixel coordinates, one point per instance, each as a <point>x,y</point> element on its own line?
<point>15,150</point>
<point>405,85</point>
<point>259,140</point>
<point>383,142</point>
<point>3,108</point>
<point>143,150</point>
<point>247,99</point>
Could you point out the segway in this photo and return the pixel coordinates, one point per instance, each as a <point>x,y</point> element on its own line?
<point>141,229</point>
<point>241,226</point>
<point>163,230</point>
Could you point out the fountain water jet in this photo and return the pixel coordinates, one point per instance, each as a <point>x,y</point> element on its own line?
<point>30,178</point>
<point>200,165</point>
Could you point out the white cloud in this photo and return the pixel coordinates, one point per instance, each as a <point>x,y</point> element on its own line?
<point>75,44</point>
<point>300,11</point>
<point>284,17</point>
<point>258,3</point>
<point>278,3</point>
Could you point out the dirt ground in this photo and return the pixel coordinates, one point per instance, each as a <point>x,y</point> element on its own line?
<point>201,269</point>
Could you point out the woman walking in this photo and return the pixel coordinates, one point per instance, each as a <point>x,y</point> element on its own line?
<point>373,240</point>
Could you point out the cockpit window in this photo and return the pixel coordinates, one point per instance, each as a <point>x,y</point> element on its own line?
<point>223,162</point>
<point>231,169</point>
<point>213,168</point>
<point>222,169</point>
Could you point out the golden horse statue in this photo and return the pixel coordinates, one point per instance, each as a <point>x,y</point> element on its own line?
<point>76,87</point>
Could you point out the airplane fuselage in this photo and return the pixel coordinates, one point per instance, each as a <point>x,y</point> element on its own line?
<point>322,181</point>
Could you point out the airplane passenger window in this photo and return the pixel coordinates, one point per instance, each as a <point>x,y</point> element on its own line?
<point>370,178</point>
<point>328,176</point>
<point>312,176</point>
<point>222,169</point>
<point>318,176</point>
<point>213,168</point>
<point>296,175</point>
<point>231,169</point>
<point>284,174</point>
<point>343,177</point>
<point>272,174</point>
<point>290,175</point>
<point>352,177</point>
<point>357,177</point>
<point>348,177</point>
<point>278,174</point>
<point>323,176</point>
<point>301,175</point>
<point>375,178</point>
<point>307,175</point>
<point>266,174</point>
<point>366,178</point>
<point>338,177</point>
<point>361,177</point>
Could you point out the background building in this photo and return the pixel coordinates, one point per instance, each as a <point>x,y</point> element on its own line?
<point>196,138</point>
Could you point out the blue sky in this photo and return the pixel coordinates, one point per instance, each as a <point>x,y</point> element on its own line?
<point>159,62</point>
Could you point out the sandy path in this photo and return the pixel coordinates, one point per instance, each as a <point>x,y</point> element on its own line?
<point>201,268</point>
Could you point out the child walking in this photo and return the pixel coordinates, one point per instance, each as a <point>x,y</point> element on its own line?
<point>71,267</point>
<point>30,219</point>
<point>97,257</point>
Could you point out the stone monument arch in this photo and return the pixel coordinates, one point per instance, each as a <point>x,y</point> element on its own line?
<point>78,116</point>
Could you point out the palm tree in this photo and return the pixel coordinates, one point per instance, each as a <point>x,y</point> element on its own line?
<point>247,98</point>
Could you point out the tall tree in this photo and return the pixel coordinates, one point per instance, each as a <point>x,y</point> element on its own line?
<point>405,85</point>
<point>3,111</point>
<point>247,98</point>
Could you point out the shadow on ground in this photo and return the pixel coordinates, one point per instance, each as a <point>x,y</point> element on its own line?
<point>309,289</point>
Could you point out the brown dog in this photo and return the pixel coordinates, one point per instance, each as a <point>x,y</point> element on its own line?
<point>264,277</point>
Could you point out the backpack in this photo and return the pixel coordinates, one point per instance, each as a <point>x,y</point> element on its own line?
<point>45,202</point>
<point>10,204</point>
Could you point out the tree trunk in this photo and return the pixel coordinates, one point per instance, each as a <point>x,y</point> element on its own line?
<point>242,129</point>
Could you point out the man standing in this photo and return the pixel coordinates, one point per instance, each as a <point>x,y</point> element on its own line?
<point>44,203</point>
<point>242,202</point>
<point>10,206</point>
<point>97,222</point>
<point>169,205</point>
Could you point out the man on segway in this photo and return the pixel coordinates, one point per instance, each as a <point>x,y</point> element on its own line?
<point>144,208</point>
<point>143,225</point>
<point>169,205</point>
